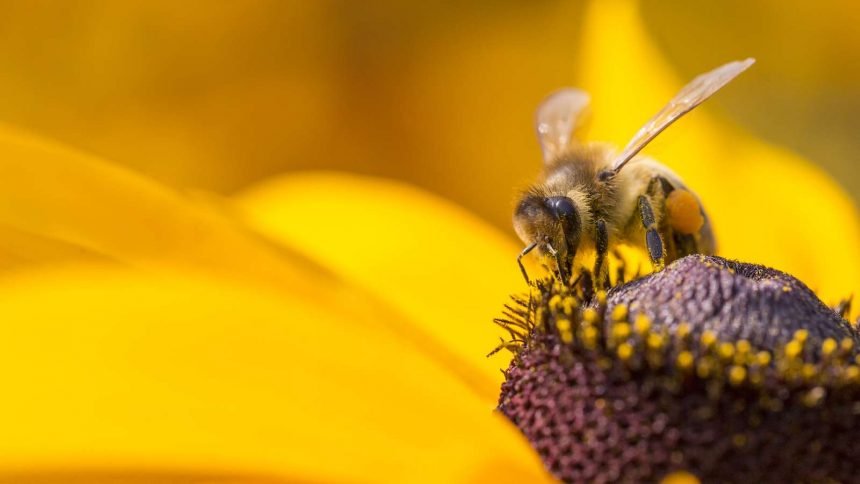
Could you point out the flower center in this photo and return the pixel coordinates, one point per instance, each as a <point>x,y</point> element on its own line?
<point>729,371</point>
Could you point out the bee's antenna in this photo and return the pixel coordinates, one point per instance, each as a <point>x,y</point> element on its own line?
<point>520,261</point>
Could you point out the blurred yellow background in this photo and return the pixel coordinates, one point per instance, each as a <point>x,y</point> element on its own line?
<point>218,95</point>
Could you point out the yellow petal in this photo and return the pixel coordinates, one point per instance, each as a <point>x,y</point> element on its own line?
<point>426,257</point>
<point>83,204</point>
<point>21,251</point>
<point>78,204</point>
<point>129,374</point>
<point>178,105</point>
<point>768,206</point>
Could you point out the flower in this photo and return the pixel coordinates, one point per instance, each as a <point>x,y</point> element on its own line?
<point>731,371</point>
<point>318,326</point>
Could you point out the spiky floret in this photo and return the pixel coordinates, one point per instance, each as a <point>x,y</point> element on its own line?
<point>734,372</point>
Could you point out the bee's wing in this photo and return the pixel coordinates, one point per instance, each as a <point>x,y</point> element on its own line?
<point>555,119</point>
<point>693,94</point>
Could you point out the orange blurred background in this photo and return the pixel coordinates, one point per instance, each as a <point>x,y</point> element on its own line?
<point>218,95</point>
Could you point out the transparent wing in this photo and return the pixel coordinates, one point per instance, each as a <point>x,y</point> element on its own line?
<point>693,94</point>
<point>555,119</point>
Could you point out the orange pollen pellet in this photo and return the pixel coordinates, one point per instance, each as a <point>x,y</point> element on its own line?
<point>683,211</point>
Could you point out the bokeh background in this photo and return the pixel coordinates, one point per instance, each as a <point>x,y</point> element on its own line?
<point>217,95</point>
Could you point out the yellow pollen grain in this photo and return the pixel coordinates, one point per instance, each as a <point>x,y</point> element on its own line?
<point>590,315</point>
<point>563,325</point>
<point>569,304</point>
<point>625,351</point>
<point>808,371</point>
<point>739,440</point>
<point>743,346</point>
<point>793,349</point>
<point>679,295</point>
<point>846,344</point>
<point>801,335</point>
<point>601,297</point>
<point>555,303</point>
<point>621,331</point>
<point>852,373</point>
<point>654,341</point>
<point>828,346</point>
<point>737,375</point>
<point>708,338</point>
<point>619,312</point>
<point>786,289</point>
<point>857,359</point>
<point>763,358</point>
<point>589,335</point>
<point>683,330</point>
<point>642,324</point>
<point>726,350</point>
<point>703,368</point>
<point>685,360</point>
<point>566,336</point>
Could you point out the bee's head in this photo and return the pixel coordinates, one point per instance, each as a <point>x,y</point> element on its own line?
<point>551,222</point>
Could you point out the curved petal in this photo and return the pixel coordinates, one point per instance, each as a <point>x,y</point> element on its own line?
<point>108,373</point>
<point>428,258</point>
<point>768,206</point>
<point>85,205</point>
<point>71,206</point>
<point>21,250</point>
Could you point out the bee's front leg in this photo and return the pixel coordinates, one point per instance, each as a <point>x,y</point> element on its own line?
<point>601,244</point>
<point>525,251</point>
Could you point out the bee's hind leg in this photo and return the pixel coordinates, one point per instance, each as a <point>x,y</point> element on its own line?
<point>675,243</point>
<point>653,240</point>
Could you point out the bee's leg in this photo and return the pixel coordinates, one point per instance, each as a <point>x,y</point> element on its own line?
<point>659,185</point>
<point>843,309</point>
<point>601,244</point>
<point>653,240</point>
<point>562,273</point>
<point>685,244</point>
<point>676,244</point>
<point>520,261</point>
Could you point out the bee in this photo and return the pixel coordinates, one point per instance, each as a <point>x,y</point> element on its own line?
<point>588,197</point>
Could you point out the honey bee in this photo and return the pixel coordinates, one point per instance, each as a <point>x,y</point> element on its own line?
<point>589,197</point>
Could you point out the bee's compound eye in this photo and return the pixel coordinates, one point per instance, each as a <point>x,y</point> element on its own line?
<point>561,207</point>
<point>684,212</point>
